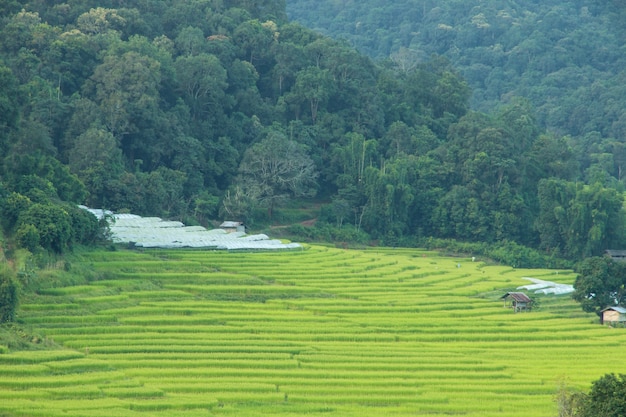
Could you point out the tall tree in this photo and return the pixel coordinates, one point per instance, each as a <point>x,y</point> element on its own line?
<point>97,160</point>
<point>577,220</point>
<point>275,169</point>
<point>601,283</point>
<point>9,106</point>
<point>312,88</point>
<point>127,91</point>
<point>202,80</point>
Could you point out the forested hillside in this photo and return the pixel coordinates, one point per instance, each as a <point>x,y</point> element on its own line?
<point>567,57</point>
<point>205,109</point>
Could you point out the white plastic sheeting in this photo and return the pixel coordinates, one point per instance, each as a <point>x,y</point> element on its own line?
<point>153,232</point>
<point>546,287</point>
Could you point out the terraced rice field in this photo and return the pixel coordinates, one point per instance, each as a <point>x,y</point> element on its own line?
<point>317,332</point>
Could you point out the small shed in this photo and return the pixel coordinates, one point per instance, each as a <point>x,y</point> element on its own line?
<point>518,301</point>
<point>614,316</point>
<point>231,226</point>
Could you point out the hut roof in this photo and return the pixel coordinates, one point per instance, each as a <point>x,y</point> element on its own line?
<point>620,310</point>
<point>230,224</point>
<point>517,296</point>
<point>616,255</point>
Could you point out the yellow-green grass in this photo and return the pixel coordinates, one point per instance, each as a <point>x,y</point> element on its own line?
<point>323,331</point>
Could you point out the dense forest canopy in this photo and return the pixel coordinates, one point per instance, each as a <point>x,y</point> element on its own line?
<point>208,108</point>
<point>566,57</point>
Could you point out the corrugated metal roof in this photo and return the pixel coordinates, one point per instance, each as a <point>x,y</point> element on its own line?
<point>616,255</point>
<point>153,232</point>
<point>517,296</point>
<point>620,310</point>
<point>230,224</point>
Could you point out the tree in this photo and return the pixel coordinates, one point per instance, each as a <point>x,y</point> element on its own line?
<point>350,158</point>
<point>237,204</point>
<point>9,109</point>
<point>9,297</point>
<point>27,237</point>
<point>99,20</point>
<point>86,228</point>
<point>312,87</point>
<point>578,221</point>
<point>552,156</point>
<point>96,159</point>
<point>275,169</point>
<point>568,401</point>
<point>127,91</point>
<point>190,41</point>
<point>11,207</point>
<point>601,282</point>
<point>391,192</point>
<point>607,397</point>
<point>53,223</point>
<point>18,31</point>
<point>66,185</point>
<point>262,8</point>
<point>202,81</point>
<point>255,41</point>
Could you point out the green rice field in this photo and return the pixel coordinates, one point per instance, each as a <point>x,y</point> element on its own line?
<point>316,332</point>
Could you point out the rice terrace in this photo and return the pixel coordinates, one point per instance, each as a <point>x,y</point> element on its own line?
<point>318,331</point>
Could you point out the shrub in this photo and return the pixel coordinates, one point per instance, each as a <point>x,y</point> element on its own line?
<point>506,252</point>
<point>324,232</point>
<point>27,237</point>
<point>10,209</point>
<point>85,226</point>
<point>606,399</point>
<point>53,223</point>
<point>8,296</point>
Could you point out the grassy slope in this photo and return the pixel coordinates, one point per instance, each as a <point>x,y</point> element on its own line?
<point>316,332</point>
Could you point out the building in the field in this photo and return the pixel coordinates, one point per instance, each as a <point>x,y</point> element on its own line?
<point>614,316</point>
<point>616,255</point>
<point>518,301</point>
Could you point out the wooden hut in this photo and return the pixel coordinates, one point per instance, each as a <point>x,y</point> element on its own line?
<point>616,255</point>
<point>518,301</point>
<point>614,316</point>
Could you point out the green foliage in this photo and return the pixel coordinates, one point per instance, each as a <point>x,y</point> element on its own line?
<point>53,223</point>
<point>97,161</point>
<point>508,253</point>
<point>9,294</point>
<point>212,108</point>
<point>579,221</point>
<point>206,207</point>
<point>11,207</point>
<point>601,283</point>
<point>607,397</point>
<point>35,172</point>
<point>502,48</point>
<point>324,232</point>
<point>9,104</point>
<point>86,229</point>
<point>568,401</point>
<point>27,237</point>
<point>275,169</point>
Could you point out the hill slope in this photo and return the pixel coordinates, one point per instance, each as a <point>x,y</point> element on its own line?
<point>198,111</point>
<point>566,57</point>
